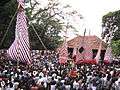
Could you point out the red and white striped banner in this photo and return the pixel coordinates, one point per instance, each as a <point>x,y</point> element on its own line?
<point>63,54</point>
<point>97,58</point>
<point>20,49</point>
<point>79,56</point>
<point>108,55</point>
<point>74,52</point>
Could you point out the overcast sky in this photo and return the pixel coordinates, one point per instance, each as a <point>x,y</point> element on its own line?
<point>92,11</point>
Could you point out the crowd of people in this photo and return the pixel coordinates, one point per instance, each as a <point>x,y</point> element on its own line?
<point>47,74</point>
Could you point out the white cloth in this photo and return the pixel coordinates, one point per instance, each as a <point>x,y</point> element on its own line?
<point>93,88</point>
<point>62,81</point>
<point>52,87</point>
<point>41,74</point>
<point>67,87</point>
<point>54,75</point>
<point>35,73</point>
<point>39,81</point>
<point>16,84</point>
<point>9,88</point>
<point>76,85</point>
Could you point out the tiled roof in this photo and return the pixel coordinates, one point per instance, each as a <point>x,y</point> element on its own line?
<point>92,41</point>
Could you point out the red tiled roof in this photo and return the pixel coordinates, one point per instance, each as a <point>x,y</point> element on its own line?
<point>91,41</point>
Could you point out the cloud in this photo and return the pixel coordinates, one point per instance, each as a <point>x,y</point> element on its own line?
<point>92,11</point>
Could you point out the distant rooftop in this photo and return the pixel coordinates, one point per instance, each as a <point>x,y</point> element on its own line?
<point>92,41</point>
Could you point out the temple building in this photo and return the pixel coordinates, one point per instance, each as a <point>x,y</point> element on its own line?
<point>93,42</point>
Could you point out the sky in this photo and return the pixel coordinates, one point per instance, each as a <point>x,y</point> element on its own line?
<point>92,11</point>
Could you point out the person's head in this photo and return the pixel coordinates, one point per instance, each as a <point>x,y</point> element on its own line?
<point>34,84</point>
<point>11,85</point>
<point>52,78</point>
<point>42,83</point>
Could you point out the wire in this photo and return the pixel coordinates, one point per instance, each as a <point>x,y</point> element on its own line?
<point>36,31</point>
<point>39,37</point>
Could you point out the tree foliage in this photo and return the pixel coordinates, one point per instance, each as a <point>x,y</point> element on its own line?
<point>111,25</point>
<point>7,10</point>
<point>116,47</point>
<point>49,21</point>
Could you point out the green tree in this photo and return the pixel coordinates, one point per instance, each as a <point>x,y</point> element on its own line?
<point>7,10</point>
<point>49,21</point>
<point>111,25</point>
<point>116,47</point>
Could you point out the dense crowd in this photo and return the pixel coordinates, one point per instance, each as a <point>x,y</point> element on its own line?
<point>47,74</point>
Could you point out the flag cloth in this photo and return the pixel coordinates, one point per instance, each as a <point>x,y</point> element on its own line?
<point>79,57</point>
<point>20,49</point>
<point>63,54</point>
<point>97,58</point>
<point>74,54</point>
<point>108,55</point>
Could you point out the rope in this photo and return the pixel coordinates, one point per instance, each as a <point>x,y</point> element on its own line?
<point>36,31</point>
<point>8,27</point>
<point>39,37</point>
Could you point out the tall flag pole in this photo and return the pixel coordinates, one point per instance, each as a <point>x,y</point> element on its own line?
<point>20,48</point>
<point>83,42</point>
<point>89,32</point>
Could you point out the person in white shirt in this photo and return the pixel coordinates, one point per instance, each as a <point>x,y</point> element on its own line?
<point>53,84</point>
<point>67,85</point>
<point>75,85</point>
<point>41,74</point>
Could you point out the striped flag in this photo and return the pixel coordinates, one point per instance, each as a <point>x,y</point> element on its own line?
<point>97,58</point>
<point>108,55</point>
<point>20,49</point>
<point>74,54</point>
<point>63,54</point>
<point>79,57</point>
